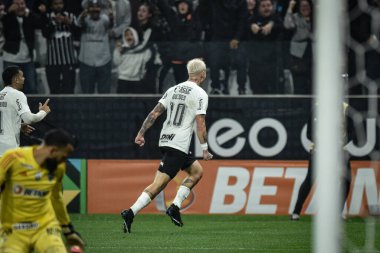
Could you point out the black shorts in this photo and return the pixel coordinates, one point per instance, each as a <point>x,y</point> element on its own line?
<point>174,160</point>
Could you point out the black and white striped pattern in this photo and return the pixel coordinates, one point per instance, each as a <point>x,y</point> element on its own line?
<point>60,45</point>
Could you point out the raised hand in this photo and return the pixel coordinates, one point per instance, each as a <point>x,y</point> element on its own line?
<point>45,107</point>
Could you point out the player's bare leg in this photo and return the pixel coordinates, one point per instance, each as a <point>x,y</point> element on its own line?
<point>159,183</point>
<point>195,172</point>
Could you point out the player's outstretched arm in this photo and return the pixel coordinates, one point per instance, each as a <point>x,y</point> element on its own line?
<point>148,123</point>
<point>30,118</point>
<point>73,238</point>
<point>202,135</point>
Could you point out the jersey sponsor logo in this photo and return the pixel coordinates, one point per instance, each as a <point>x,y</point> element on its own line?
<point>20,190</point>
<point>25,226</point>
<point>167,137</point>
<point>3,104</point>
<point>18,105</point>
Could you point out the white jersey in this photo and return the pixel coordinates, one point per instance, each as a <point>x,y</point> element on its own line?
<point>182,102</point>
<point>13,103</point>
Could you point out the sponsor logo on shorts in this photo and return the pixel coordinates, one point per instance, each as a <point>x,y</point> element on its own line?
<point>25,226</point>
<point>53,231</point>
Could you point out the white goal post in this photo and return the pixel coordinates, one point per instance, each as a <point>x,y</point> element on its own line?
<point>329,62</point>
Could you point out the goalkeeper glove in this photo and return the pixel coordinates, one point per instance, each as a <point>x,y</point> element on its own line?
<point>72,236</point>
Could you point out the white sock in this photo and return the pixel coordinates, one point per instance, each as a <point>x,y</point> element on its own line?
<point>182,193</point>
<point>140,203</point>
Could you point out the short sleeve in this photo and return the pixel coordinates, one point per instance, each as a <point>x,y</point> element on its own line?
<point>164,100</point>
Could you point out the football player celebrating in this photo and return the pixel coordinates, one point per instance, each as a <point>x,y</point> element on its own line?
<point>14,108</point>
<point>185,103</point>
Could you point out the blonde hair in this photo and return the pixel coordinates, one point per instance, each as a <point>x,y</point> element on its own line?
<point>195,66</point>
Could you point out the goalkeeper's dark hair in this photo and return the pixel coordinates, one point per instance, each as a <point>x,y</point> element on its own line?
<point>59,138</point>
<point>9,73</point>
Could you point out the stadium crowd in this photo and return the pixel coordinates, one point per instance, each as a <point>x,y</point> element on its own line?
<point>131,46</point>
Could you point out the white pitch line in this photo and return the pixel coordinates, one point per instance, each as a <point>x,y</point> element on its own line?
<point>201,248</point>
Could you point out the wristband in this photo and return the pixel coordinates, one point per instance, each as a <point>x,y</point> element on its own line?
<point>68,229</point>
<point>204,146</point>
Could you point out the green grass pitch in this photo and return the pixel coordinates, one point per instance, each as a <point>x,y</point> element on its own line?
<point>213,233</point>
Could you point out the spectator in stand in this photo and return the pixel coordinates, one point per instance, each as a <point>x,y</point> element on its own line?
<point>265,30</point>
<point>184,36</point>
<point>279,7</point>
<point>153,35</point>
<point>242,76</point>
<point>131,60</point>
<point>73,6</point>
<point>95,55</point>
<point>2,13</point>
<point>19,25</point>
<point>122,17</point>
<point>225,24</point>
<point>103,4</point>
<point>62,60</point>
<point>300,45</point>
<point>120,11</point>
<point>251,5</point>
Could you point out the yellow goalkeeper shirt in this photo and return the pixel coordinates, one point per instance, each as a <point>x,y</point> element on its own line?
<point>31,198</point>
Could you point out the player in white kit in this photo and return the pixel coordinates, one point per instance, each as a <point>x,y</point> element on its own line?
<point>185,103</point>
<point>14,109</point>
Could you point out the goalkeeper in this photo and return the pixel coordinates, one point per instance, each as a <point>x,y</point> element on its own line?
<point>33,214</point>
